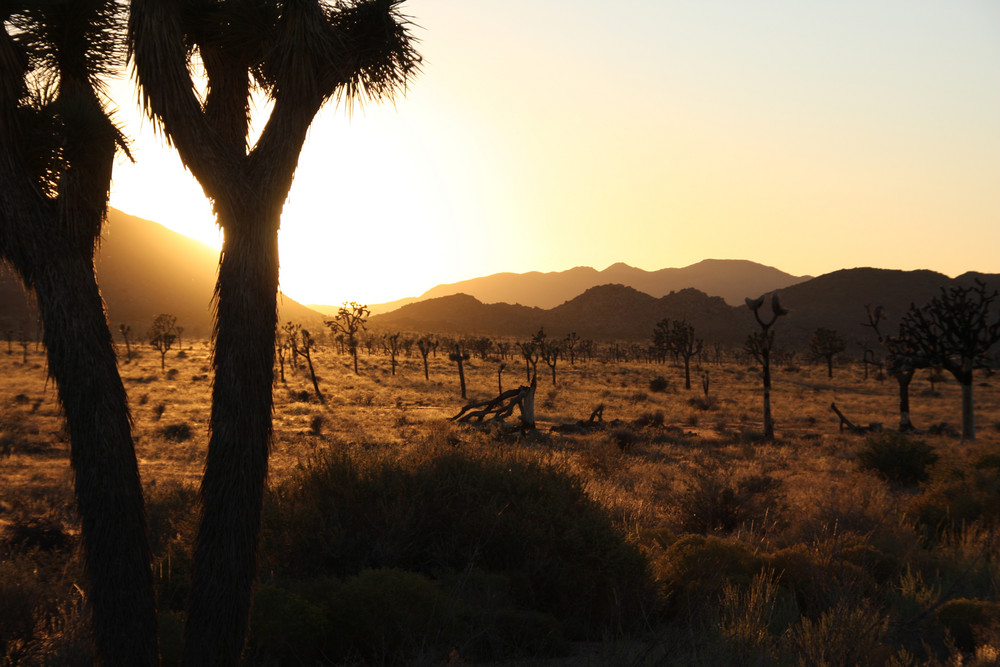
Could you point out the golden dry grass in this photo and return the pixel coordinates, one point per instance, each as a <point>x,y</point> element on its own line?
<point>658,450</point>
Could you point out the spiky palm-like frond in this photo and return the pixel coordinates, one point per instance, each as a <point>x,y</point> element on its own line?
<point>77,38</point>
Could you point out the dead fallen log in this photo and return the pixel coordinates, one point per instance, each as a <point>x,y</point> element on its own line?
<point>874,427</point>
<point>501,407</point>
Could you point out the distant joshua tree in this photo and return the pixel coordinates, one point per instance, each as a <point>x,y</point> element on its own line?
<point>426,344</point>
<point>760,345</point>
<point>125,331</point>
<point>955,331</point>
<point>570,343</point>
<point>549,351</point>
<point>903,358</point>
<point>350,319</point>
<point>459,356</point>
<point>826,344</point>
<point>677,339</point>
<point>162,335</point>
<point>305,348</point>
<point>392,346</point>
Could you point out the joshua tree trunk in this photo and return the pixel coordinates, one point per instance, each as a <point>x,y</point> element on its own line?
<point>905,425</point>
<point>232,487</point>
<point>968,412</point>
<point>768,421</point>
<point>109,496</point>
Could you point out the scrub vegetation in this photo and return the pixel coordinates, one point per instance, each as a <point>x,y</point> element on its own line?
<point>661,529</point>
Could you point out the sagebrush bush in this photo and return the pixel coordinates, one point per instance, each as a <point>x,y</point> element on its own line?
<point>658,384</point>
<point>693,571</point>
<point>965,618</point>
<point>177,432</point>
<point>445,511</point>
<point>896,457</point>
<point>959,495</point>
<point>711,498</point>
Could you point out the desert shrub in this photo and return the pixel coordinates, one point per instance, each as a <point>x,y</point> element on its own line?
<point>390,616</point>
<point>171,373</point>
<point>693,571</point>
<point>957,496</point>
<point>316,424</point>
<point>624,438</point>
<point>964,618</point>
<point>843,635</point>
<point>37,533</point>
<point>442,511</point>
<point>658,384</point>
<point>896,457</point>
<point>177,432</point>
<point>286,628</point>
<point>704,403</point>
<point>172,514</point>
<point>654,419</point>
<point>711,497</point>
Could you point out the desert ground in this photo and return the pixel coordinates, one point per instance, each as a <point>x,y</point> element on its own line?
<point>668,533</point>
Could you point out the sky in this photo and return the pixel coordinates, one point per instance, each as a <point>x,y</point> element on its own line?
<point>807,135</point>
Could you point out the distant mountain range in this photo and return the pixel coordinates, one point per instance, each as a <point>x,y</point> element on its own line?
<point>145,269</point>
<point>731,279</point>
<point>835,300</point>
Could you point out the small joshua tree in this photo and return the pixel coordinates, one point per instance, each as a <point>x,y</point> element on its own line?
<point>162,335</point>
<point>956,331</point>
<point>460,357</point>
<point>425,344</point>
<point>308,344</point>
<point>570,342</point>
<point>125,331</point>
<point>392,346</point>
<point>349,320</point>
<point>549,352</point>
<point>529,350</point>
<point>760,346</point>
<point>903,358</point>
<point>826,344</point>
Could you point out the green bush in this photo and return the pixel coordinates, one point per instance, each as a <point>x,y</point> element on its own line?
<point>897,458</point>
<point>445,511</point>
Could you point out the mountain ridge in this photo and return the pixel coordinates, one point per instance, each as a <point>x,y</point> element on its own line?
<point>145,269</point>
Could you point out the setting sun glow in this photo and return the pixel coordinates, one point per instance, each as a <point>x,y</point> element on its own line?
<point>809,136</point>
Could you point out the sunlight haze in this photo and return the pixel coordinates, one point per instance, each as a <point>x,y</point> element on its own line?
<point>805,135</point>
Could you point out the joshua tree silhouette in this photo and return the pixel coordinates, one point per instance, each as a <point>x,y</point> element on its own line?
<point>760,346</point>
<point>57,151</point>
<point>300,55</point>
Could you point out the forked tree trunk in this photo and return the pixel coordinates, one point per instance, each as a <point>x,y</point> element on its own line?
<point>82,361</point>
<point>232,488</point>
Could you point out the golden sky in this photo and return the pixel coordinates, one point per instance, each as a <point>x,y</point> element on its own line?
<point>803,134</point>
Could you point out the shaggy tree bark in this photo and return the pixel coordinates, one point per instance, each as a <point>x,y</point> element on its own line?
<point>50,221</point>
<point>300,54</point>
